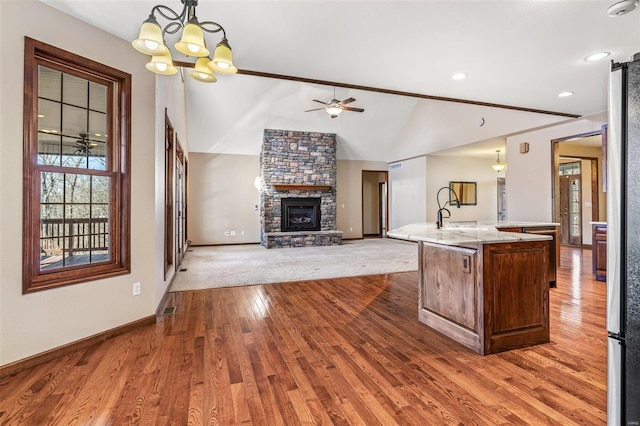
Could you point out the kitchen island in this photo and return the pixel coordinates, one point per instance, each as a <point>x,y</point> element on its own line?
<point>484,288</point>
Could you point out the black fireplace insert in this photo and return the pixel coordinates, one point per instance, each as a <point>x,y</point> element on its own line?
<point>300,214</point>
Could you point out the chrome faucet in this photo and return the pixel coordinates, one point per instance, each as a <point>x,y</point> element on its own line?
<point>440,216</point>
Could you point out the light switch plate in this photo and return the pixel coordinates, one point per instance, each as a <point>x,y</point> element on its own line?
<point>466,264</point>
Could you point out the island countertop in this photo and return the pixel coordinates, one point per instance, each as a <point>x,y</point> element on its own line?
<point>517,224</point>
<point>483,233</point>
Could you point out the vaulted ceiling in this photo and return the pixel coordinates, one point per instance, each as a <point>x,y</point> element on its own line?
<point>515,53</point>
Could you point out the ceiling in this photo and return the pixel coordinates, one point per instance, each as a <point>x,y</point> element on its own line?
<point>515,53</point>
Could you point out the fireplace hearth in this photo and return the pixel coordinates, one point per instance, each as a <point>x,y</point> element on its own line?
<point>300,214</point>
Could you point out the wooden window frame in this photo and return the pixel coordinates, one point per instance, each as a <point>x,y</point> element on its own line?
<point>119,148</point>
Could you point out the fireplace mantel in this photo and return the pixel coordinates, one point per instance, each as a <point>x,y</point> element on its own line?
<point>300,187</point>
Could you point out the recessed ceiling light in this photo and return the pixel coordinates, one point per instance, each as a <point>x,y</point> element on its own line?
<point>459,76</point>
<point>564,94</point>
<point>622,8</point>
<point>597,56</point>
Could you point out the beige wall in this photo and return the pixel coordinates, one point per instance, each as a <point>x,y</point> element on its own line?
<point>33,323</point>
<point>443,169</point>
<point>223,198</point>
<point>349,195</point>
<point>170,97</point>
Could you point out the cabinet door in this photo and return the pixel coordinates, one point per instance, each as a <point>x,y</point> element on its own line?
<point>599,249</point>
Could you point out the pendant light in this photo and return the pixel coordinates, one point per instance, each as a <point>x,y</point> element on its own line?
<point>498,166</point>
<point>192,43</point>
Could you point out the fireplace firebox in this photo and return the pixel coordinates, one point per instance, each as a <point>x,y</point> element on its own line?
<point>300,214</point>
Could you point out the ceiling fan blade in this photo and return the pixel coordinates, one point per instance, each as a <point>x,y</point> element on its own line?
<point>316,109</point>
<point>323,103</point>
<point>347,101</point>
<point>353,109</point>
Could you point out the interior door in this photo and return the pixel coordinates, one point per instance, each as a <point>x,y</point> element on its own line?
<point>382,198</point>
<point>180,211</point>
<point>570,210</point>
<point>502,203</point>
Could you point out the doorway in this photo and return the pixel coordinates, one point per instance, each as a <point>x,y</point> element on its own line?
<point>181,204</point>
<point>502,199</point>
<point>375,204</point>
<point>578,185</point>
<point>570,199</point>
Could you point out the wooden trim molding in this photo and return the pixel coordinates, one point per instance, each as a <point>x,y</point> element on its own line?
<point>300,187</point>
<point>23,364</point>
<point>386,91</point>
<point>401,93</point>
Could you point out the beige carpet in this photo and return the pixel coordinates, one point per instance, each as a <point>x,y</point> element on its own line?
<point>227,266</point>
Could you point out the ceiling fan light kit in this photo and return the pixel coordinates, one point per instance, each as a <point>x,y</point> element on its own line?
<point>335,107</point>
<point>192,43</point>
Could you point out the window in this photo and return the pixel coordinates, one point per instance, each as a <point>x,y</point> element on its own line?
<point>76,169</point>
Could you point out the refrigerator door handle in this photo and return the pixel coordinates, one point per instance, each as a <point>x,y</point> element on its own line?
<point>614,201</point>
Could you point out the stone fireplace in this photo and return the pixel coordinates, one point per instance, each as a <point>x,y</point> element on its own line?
<point>298,189</point>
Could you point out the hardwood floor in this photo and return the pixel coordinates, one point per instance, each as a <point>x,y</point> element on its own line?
<point>338,351</point>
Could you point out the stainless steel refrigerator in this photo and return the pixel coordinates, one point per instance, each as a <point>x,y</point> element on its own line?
<point>623,244</point>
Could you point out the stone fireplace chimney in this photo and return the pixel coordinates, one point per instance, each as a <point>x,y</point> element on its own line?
<point>298,165</point>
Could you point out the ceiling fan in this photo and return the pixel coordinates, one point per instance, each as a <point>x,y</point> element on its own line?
<point>82,145</point>
<point>334,107</point>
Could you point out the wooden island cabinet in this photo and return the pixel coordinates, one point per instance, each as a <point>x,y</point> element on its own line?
<point>551,229</point>
<point>486,289</point>
<point>599,250</point>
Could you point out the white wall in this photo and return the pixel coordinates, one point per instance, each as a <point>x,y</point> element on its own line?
<point>408,192</point>
<point>529,175</point>
<point>443,169</point>
<point>33,323</point>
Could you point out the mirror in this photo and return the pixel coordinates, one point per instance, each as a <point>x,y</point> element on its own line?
<point>466,191</point>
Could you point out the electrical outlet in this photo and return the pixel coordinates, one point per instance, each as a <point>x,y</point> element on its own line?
<point>350,228</point>
<point>226,233</point>
<point>136,289</point>
<point>242,233</point>
<point>233,233</point>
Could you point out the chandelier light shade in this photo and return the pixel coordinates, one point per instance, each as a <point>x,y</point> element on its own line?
<point>162,64</point>
<point>192,43</point>
<point>498,166</point>
<point>223,59</point>
<point>202,72</point>
<point>150,40</point>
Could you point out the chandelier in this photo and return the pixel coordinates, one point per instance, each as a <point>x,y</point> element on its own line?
<point>498,166</point>
<point>192,43</point>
